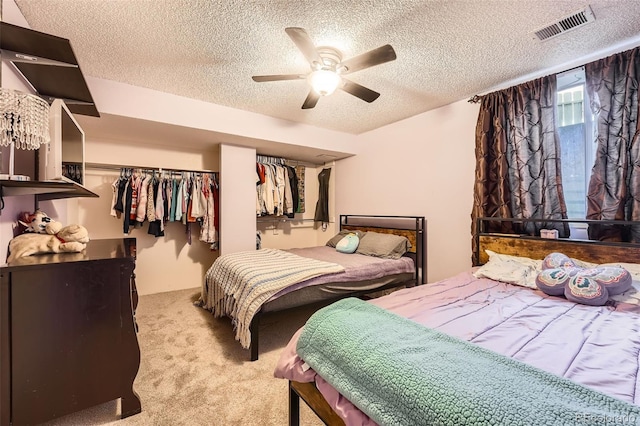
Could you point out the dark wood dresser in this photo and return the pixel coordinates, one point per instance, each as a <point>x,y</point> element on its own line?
<point>68,333</point>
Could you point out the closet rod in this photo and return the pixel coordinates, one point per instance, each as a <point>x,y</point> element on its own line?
<point>268,159</point>
<point>280,160</point>
<point>103,166</point>
<point>266,219</point>
<point>301,163</point>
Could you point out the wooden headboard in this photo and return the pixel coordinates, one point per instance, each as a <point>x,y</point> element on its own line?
<point>410,234</point>
<point>411,227</point>
<point>537,247</point>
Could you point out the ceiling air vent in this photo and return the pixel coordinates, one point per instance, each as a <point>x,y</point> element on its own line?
<point>565,24</point>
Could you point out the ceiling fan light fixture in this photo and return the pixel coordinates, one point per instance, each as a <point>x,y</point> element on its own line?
<point>324,82</point>
<point>327,69</point>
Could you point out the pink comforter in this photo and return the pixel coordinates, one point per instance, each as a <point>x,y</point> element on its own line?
<point>597,347</point>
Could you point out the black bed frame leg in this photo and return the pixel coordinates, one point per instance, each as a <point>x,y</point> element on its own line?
<point>253,329</point>
<point>294,407</point>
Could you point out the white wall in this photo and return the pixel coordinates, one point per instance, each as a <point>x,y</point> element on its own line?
<point>237,199</point>
<point>421,166</point>
<point>122,99</point>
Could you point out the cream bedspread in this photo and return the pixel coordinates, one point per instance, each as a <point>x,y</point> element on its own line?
<point>238,284</point>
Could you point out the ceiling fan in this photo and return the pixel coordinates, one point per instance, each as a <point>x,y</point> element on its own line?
<point>328,69</point>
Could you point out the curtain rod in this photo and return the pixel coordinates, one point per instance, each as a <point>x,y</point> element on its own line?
<point>104,166</point>
<point>477,98</point>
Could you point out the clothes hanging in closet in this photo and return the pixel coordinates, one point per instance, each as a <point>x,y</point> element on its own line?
<point>186,197</point>
<point>293,185</point>
<point>277,190</point>
<point>322,206</point>
<point>299,170</point>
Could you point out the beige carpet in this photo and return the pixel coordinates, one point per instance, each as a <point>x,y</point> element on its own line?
<point>193,372</point>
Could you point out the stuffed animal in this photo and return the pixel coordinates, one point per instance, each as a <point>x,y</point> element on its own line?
<point>34,222</point>
<point>44,235</point>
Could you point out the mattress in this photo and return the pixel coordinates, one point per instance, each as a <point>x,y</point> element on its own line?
<point>597,347</point>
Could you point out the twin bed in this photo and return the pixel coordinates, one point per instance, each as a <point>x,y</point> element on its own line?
<point>475,350</point>
<point>246,285</point>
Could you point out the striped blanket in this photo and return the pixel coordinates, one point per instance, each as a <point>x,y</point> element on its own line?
<point>238,284</point>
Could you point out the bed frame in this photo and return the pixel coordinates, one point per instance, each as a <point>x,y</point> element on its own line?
<point>524,245</point>
<point>412,227</point>
<point>536,247</point>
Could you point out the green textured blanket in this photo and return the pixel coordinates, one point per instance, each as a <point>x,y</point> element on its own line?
<point>401,373</point>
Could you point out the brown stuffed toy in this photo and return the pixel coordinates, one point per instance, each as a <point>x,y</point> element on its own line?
<point>44,235</point>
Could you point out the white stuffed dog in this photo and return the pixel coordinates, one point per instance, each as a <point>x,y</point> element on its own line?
<point>44,235</point>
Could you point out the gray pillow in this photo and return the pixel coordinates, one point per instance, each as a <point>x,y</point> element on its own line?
<point>387,246</point>
<point>340,235</point>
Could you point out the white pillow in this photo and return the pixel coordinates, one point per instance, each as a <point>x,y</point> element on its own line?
<point>516,270</point>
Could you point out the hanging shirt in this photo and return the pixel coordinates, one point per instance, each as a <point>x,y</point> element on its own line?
<point>114,197</point>
<point>186,183</point>
<point>127,206</point>
<point>143,193</point>
<point>161,203</point>
<point>207,228</point>
<point>293,178</point>
<point>288,197</point>
<point>135,188</point>
<point>156,227</point>
<point>322,205</point>
<point>300,174</point>
<point>279,191</point>
<point>174,200</point>
<point>179,200</point>
<point>119,206</point>
<point>268,189</point>
<point>168,195</point>
<point>151,200</point>
<point>197,198</point>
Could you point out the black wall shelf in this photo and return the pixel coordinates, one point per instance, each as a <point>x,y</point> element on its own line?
<point>45,190</point>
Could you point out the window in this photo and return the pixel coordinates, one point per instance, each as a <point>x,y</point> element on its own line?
<point>576,141</point>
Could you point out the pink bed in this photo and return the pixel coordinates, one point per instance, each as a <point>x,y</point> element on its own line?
<point>597,347</point>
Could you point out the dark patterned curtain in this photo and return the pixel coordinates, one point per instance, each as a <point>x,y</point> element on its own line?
<point>614,186</point>
<point>518,159</point>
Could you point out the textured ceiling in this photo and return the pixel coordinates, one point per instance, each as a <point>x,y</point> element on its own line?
<point>447,50</point>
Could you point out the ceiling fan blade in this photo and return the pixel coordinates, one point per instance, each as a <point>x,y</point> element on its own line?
<point>311,101</point>
<point>369,59</point>
<point>277,77</point>
<point>305,44</point>
<point>359,91</point>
